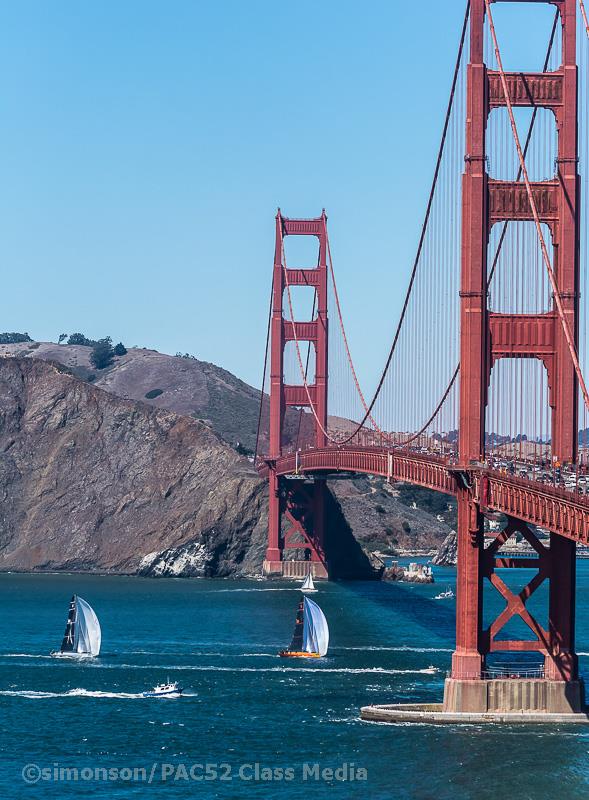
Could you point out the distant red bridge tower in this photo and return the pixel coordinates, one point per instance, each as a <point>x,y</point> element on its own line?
<point>298,503</point>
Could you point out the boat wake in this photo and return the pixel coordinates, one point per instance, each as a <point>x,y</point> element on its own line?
<point>293,588</point>
<point>73,656</point>
<point>25,655</point>
<point>34,695</point>
<point>261,655</point>
<point>51,656</point>
<point>294,669</point>
<point>317,667</point>
<point>401,649</point>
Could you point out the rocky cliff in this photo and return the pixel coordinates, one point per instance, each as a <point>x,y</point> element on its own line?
<point>447,555</point>
<point>108,478</point>
<point>91,481</point>
<point>382,517</point>
<point>175,383</point>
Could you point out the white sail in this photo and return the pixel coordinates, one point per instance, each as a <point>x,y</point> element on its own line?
<point>87,637</point>
<point>315,630</point>
<point>308,585</point>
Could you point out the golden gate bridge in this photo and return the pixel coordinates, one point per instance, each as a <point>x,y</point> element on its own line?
<point>483,394</point>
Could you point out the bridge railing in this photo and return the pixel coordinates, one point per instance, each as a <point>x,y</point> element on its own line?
<point>501,673</point>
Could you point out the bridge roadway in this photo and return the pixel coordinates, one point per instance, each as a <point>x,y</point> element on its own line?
<point>552,508</point>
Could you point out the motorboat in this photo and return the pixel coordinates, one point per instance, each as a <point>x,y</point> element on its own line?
<point>446,595</point>
<point>168,689</point>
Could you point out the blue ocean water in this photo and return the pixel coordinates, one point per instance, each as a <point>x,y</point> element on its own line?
<point>245,706</point>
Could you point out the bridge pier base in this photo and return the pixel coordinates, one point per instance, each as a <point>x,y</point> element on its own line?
<point>294,569</point>
<point>551,687</point>
<point>513,695</point>
<point>300,504</point>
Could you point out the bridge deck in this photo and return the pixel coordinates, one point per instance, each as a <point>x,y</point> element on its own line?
<point>549,507</point>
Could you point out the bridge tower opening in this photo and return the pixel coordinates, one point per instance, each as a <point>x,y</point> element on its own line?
<point>487,336</point>
<point>296,504</point>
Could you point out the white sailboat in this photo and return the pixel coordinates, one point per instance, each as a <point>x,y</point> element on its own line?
<point>82,635</point>
<point>311,633</point>
<point>308,585</point>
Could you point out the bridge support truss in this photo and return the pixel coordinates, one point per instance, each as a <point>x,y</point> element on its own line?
<point>296,521</point>
<point>486,337</point>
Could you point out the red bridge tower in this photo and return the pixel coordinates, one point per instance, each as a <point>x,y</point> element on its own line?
<point>298,503</point>
<point>488,336</point>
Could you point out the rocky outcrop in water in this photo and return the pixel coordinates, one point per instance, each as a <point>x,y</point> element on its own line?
<point>188,560</point>
<point>447,555</point>
<point>419,574</point>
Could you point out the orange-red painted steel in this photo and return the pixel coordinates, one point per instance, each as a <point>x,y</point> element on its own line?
<point>557,510</point>
<point>485,337</point>
<point>284,496</point>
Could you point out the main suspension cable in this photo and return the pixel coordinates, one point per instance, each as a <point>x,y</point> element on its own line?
<point>346,346</point>
<point>370,407</point>
<point>503,232</point>
<point>265,368</point>
<point>427,213</point>
<point>584,15</point>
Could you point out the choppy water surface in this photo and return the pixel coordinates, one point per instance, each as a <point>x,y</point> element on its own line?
<point>245,706</point>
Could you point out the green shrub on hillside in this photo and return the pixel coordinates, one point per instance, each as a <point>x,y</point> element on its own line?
<point>79,338</point>
<point>102,354</point>
<point>14,338</point>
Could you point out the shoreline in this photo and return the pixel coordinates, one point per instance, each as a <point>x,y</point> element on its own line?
<point>259,578</point>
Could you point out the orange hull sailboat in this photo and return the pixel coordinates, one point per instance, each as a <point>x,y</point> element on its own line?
<point>311,634</point>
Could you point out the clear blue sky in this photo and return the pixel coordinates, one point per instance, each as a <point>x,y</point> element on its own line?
<point>146,145</point>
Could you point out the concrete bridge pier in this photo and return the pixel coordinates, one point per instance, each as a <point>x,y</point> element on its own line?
<point>513,696</point>
<point>554,685</point>
<point>296,525</point>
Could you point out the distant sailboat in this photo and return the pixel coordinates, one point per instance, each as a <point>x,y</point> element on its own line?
<point>311,634</point>
<point>82,635</point>
<point>308,585</point>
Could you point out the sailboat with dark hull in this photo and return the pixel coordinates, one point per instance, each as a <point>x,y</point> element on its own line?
<point>82,637</point>
<point>311,634</point>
